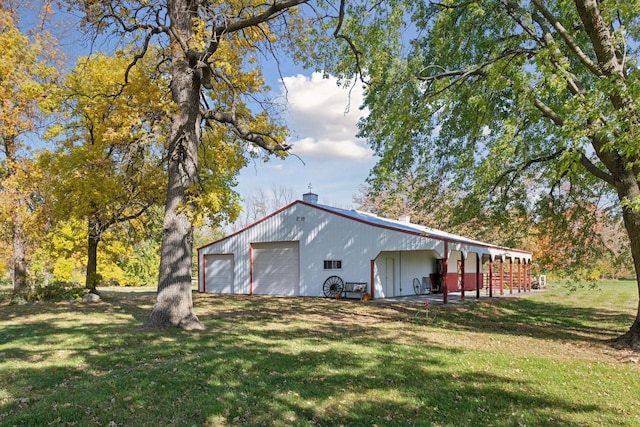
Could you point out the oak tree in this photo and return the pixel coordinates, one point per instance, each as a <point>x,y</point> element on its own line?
<point>215,84</point>
<point>523,105</point>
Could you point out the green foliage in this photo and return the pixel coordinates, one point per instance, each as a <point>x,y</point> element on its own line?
<point>506,116</point>
<point>141,267</point>
<point>56,291</point>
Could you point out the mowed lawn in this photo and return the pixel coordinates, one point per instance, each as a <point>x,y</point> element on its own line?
<point>538,360</point>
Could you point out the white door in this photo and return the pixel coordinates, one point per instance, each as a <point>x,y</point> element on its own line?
<point>389,279</point>
<point>218,273</point>
<point>276,268</point>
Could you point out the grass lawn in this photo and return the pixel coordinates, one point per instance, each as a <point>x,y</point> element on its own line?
<point>539,360</point>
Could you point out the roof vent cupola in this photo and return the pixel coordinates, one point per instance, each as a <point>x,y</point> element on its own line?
<point>310,198</point>
<point>405,219</point>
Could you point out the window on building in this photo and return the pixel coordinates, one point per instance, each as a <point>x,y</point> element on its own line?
<point>332,264</point>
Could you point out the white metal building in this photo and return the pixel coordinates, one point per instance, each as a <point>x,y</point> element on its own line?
<point>293,251</point>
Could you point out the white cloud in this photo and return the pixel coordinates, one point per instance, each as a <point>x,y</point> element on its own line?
<point>324,117</point>
<point>336,163</point>
<point>328,149</point>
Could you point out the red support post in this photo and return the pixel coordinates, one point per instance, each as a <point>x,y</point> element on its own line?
<point>501,276</point>
<point>478,275</point>
<point>490,277</point>
<point>445,272</point>
<point>519,273</point>
<point>373,265</point>
<point>462,275</point>
<point>510,275</point>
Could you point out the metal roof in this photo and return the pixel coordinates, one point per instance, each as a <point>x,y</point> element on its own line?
<point>376,220</point>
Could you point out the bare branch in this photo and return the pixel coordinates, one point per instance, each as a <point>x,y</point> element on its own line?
<point>266,142</point>
<point>275,9</point>
<point>453,6</point>
<point>527,164</point>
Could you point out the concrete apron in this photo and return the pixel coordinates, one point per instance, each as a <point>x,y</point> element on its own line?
<point>453,297</point>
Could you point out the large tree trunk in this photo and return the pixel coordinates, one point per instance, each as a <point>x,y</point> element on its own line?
<point>93,240</point>
<point>19,242</point>
<point>628,188</point>
<point>174,305</point>
<point>20,286</point>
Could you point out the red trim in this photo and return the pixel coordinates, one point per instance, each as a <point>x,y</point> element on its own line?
<point>519,273</point>
<point>478,275</point>
<point>373,263</point>
<point>250,268</point>
<point>204,273</point>
<point>252,225</point>
<point>415,233</point>
<point>203,284</point>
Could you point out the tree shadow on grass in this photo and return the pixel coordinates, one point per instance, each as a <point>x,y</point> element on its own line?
<point>509,316</point>
<point>228,375</point>
<point>270,361</point>
<point>538,319</point>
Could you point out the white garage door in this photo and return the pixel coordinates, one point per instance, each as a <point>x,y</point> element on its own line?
<point>219,273</point>
<point>276,269</point>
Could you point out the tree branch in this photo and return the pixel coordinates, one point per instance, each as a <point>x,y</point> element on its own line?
<point>570,41</point>
<point>548,112</point>
<point>596,171</point>
<point>266,142</point>
<point>584,160</point>
<point>352,46</point>
<point>600,36</point>
<point>527,164</point>
<point>267,14</point>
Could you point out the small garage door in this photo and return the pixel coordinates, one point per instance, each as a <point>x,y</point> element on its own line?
<point>219,273</point>
<point>276,269</point>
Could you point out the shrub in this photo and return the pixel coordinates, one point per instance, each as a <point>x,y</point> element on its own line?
<point>56,291</point>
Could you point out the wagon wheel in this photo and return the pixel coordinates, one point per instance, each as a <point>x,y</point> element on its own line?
<point>332,286</point>
<point>417,286</point>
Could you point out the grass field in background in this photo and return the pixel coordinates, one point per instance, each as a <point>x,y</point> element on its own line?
<point>538,360</point>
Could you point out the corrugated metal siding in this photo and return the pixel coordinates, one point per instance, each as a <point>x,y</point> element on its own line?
<point>323,235</point>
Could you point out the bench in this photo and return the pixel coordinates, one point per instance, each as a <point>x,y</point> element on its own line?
<point>355,288</point>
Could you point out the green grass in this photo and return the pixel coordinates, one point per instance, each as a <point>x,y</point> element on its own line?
<point>540,360</point>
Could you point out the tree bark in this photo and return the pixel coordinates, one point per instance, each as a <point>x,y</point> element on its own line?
<point>174,305</point>
<point>93,240</point>
<point>18,240</point>
<point>20,286</point>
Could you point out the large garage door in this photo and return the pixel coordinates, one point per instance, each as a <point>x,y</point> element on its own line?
<point>276,269</point>
<point>219,273</point>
